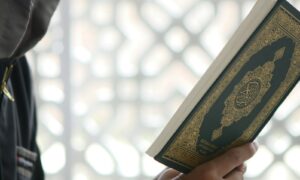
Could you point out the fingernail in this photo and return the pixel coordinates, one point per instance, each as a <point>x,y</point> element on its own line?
<point>243,168</point>
<point>255,145</point>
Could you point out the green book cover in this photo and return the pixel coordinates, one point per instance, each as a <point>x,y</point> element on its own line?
<point>244,97</point>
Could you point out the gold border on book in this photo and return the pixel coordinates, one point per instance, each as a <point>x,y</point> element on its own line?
<point>182,150</point>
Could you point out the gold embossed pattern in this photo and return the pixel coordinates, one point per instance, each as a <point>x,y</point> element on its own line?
<point>182,150</point>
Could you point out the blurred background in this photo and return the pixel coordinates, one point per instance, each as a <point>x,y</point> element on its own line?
<point>110,74</point>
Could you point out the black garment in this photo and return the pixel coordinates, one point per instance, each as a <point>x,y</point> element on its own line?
<point>22,24</point>
<point>18,128</point>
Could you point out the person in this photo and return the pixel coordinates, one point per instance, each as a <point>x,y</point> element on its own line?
<point>22,25</point>
<point>228,166</point>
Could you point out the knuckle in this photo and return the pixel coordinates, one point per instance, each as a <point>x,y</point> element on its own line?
<point>240,154</point>
<point>209,175</point>
<point>211,171</point>
<point>208,171</point>
<point>235,155</point>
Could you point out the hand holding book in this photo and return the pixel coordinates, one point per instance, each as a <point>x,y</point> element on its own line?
<point>239,93</point>
<point>228,166</point>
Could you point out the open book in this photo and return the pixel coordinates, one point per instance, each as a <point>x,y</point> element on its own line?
<point>240,91</point>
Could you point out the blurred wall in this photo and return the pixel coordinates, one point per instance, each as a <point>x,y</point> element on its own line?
<point>110,74</point>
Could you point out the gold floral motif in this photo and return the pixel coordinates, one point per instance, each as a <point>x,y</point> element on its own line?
<point>182,150</point>
<point>247,94</point>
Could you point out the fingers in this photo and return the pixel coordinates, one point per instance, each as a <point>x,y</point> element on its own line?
<point>228,166</point>
<point>227,162</point>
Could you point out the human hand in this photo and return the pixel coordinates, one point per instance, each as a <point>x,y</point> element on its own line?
<point>228,166</point>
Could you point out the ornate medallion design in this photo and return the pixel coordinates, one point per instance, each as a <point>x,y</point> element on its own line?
<point>247,94</point>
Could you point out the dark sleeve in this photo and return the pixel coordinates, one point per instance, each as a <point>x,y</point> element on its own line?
<point>22,24</point>
<point>25,114</point>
